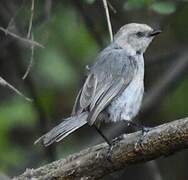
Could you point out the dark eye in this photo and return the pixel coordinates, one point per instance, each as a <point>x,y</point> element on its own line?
<point>140,34</point>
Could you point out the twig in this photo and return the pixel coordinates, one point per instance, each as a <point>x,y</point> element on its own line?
<point>21,38</point>
<point>31,19</point>
<point>28,37</point>
<point>12,20</point>
<point>10,23</point>
<point>108,19</point>
<point>30,62</point>
<point>112,7</point>
<point>98,161</point>
<point>6,84</point>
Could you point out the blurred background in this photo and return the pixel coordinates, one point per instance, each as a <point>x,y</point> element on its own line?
<point>73,32</point>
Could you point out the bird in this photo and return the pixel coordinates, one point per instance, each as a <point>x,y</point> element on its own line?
<point>114,86</point>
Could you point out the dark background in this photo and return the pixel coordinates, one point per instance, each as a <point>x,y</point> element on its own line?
<point>73,32</point>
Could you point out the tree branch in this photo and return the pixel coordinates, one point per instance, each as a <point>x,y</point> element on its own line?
<point>100,160</point>
<point>22,39</point>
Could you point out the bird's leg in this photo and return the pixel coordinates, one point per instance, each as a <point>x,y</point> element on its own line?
<point>102,135</point>
<point>139,126</point>
<point>144,130</point>
<point>108,142</point>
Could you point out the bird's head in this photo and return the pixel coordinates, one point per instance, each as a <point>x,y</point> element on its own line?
<point>135,36</point>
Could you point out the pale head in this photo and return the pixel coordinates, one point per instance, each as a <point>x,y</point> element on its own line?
<point>135,36</point>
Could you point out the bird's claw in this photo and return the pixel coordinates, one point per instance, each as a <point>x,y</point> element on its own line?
<point>144,130</point>
<point>110,147</point>
<point>109,153</point>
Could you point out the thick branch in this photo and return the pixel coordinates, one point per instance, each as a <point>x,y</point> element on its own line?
<point>100,160</point>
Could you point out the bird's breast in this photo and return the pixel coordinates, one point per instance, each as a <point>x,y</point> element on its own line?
<point>126,106</point>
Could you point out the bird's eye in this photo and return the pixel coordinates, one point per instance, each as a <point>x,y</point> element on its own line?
<point>140,34</point>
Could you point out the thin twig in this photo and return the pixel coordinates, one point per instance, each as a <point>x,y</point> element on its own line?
<point>10,23</point>
<point>31,19</point>
<point>112,7</point>
<point>108,19</point>
<point>21,38</point>
<point>12,20</point>
<point>6,84</point>
<point>28,37</point>
<point>30,62</point>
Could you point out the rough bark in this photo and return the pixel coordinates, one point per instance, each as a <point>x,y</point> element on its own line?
<point>98,161</point>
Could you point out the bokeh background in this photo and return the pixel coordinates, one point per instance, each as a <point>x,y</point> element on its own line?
<point>73,32</point>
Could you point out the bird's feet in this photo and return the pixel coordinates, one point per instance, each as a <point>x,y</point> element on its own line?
<point>111,146</point>
<point>144,130</point>
<point>109,152</point>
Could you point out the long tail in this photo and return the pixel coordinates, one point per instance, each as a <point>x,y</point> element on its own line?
<point>62,130</point>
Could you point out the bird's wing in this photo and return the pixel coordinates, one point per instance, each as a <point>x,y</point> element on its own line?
<point>108,77</point>
<point>83,99</point>
<point>105,99</point>
<point>76,108</point>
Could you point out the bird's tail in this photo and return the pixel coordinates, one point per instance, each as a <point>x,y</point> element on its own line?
<point>62,130</point>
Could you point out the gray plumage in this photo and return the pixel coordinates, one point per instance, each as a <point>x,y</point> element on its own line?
<point>114,84</point>
<point>63,129</point>
<point>107,79</point>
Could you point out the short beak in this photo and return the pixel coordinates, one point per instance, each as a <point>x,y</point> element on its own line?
<point>154,33</point>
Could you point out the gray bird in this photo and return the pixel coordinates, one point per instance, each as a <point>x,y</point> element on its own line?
<point>114,87</point>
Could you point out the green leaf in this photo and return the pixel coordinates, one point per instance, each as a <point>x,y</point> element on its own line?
<point>164,8</point>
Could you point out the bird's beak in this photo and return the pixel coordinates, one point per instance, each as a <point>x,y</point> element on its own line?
<point>154,33</point>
